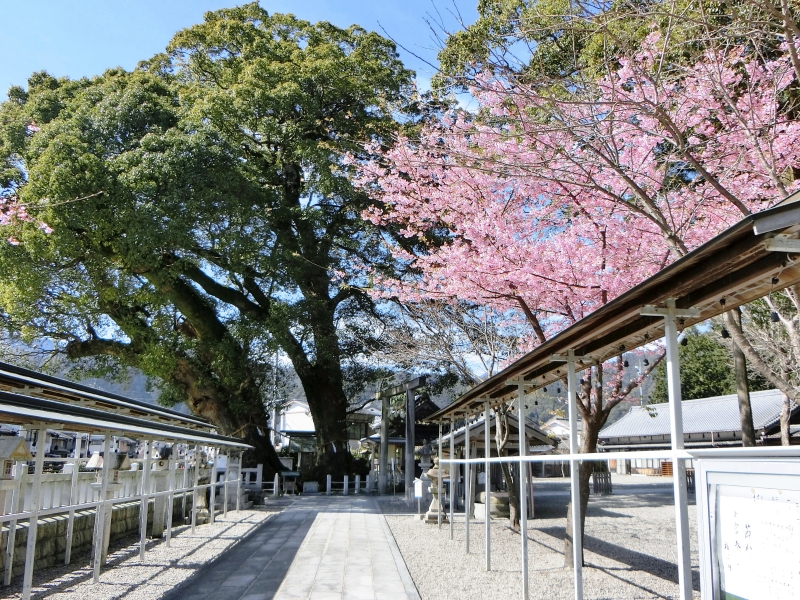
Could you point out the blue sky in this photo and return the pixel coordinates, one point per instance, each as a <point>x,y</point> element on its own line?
<point>78,38</point>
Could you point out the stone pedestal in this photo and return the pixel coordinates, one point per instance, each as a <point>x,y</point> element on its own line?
<point>498,506</point>
<point>432,516</point>
<point>160,482</point>
<point>203,514</point>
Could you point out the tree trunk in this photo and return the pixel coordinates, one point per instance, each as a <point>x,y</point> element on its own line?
<point>328,405</point>
<point>591,430</point>
<point>786,413</point>
<point>510,472</point>
<point>742,388</point>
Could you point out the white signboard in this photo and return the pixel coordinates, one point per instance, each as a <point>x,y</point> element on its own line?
<point>758,530</point>
<point>749,529</point>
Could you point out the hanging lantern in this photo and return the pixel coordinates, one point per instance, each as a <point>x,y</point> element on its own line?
<point>774,317</point>
<point>625,364</point>
<point>724,333</point>
<point>646,362</point>
<point>685,342</point>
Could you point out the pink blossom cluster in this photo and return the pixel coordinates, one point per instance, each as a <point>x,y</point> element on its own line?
<point>564,201</point>
<point>13,212</point>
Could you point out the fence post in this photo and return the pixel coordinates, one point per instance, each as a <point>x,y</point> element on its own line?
<point>328,486</point>
<point>145,500</point>
<point>344,489</point>
<point>73,493</point>
<point>358,484</point>
<point>368,489</point>
<point>213,474</point>
<point>276,486</point>
<point>16,506</point>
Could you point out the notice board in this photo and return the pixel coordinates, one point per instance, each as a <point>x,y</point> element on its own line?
<point>749,529</point>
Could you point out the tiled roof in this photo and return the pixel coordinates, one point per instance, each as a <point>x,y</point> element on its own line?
<point>716,414</point>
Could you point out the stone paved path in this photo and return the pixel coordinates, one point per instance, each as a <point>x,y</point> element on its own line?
<point>320,548</point>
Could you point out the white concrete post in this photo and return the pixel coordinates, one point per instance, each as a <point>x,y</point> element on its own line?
<point>574,475</point>
<point>16,506</point>
<point>439,482</point>
<point>487,496</point>
<point>145,499</point>
<point>467,485</point>
<point>358,484</point>
<point>73,493</point>
<point>344,489</point>
<point>30,549</point>
<point>227,478</point>
<point>196,478</point>
<point>239,482</point>
<point>100,513</point>
<point>170,498</point>
<point>523,487</point>
<point>213,480</point>
<point>670,313</point>
<point>452,471</point>
<point>276,485</point>
<point>184,483</point>
<point>328,486</point>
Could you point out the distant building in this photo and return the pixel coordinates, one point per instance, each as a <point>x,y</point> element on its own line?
<point>707,423</point>
<point>295,429</point>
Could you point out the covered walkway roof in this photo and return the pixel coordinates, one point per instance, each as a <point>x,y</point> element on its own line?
<point>28,397</point>
<point>745,262</point>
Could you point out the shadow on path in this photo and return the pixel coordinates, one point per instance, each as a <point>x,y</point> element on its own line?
<point>256,566</point>
<point>637,561</point>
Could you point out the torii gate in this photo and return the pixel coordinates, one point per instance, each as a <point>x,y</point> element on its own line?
<point>384,396</point>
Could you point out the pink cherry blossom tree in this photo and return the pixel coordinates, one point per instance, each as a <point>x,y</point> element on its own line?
<point>553,198</point>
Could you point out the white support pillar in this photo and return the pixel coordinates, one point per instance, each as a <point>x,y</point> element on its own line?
<point>36,498</point>
<point>73,498</point>
<point>358,484</point>
<point>184,482</point>
<point>20,475</point>
<point>239,482</point>
<point>213,481</point>
<point>196,478</point>
<point>145,499</point>
<point>670,314</point>
<point>574,476</point>
<point>100,513</point>
<point>467,485</point>
<point>452,471</point>
<point>170,497</point>
<point>440,507</point>
<point>487,495</point>
<point>523,486</point>
<point>276,485</point>
<point>225,487</point>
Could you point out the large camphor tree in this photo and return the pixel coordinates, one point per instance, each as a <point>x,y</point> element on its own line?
<point>199,213</point>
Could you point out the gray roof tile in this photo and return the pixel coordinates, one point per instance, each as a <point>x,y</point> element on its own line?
<point>717,414</point>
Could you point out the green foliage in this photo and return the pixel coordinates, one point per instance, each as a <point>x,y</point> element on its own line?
<point>706,370</point>
<point>202,209</point>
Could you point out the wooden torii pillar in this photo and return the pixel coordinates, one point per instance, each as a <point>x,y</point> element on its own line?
<point>385,395</point>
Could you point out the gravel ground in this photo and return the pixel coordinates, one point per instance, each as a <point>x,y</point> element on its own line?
<point>163,569</point>
<point>630,548</point>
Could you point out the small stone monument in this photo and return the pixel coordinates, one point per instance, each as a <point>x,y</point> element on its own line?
<point>434,473</point>
<point>204,477</point>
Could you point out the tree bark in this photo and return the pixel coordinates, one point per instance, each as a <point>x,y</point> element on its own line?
<point>786,413</point>
<point>742,387</point>
<point>590,433</point>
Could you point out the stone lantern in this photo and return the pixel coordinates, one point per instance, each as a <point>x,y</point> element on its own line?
<point>434,473</point>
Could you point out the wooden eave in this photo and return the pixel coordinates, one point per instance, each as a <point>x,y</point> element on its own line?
<point>735,266</point>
